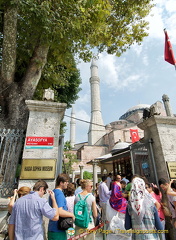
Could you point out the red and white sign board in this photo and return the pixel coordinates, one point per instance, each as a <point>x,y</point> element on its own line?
<point>39,141</point>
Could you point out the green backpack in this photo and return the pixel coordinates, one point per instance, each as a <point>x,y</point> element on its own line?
<point>82,216</point>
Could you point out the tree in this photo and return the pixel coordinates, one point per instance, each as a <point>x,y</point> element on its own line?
<point>69,158</point>
<point>87,175</point>
<point>40,37</point>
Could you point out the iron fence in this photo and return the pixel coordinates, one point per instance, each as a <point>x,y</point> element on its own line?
<point>11,145</point>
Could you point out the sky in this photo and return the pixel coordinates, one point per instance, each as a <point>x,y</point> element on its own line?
<point>139,76</point>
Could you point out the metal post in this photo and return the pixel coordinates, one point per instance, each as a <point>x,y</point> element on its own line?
<point>153,160</point>
<point>60,155</point>
<point>132,161</point>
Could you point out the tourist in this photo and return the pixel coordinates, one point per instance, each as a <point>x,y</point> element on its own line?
<point>165,186</point>
<point>173,187</point>
<point>53,232</point>
<point>20,193</point>
<point>104,195</point>
<point>78,189</point>
<point>70,197</point>
<point>26,221</point>
<point>109,180</point>
<point>124,178</point>
<point>156,194</point>
<point>117,200</point>
<point>123,185</point>
<point>115,211</point>
<point>86,186</point>
<point>142,215</point>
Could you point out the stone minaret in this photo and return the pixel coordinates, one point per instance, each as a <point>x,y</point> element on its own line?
<point>72,128</point>
<point>167,106</point>
<point>95,131</point>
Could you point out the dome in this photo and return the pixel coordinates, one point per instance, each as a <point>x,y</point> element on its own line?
<point>139,106</point>
<point>120,145</point>
<point>133,109</point>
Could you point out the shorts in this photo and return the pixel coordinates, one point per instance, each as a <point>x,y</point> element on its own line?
<point>57,235</point>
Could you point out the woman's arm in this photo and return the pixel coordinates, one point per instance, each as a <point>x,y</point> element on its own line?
<point>12,201</point>
<point>11,231</point>
<point>94,209</point>
<point>158,205</point>
<point>158,223</point>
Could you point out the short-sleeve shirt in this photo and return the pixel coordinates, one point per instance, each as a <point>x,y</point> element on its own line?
<point>171,200</point>
<point>70,203</point>
<point>27,215</point>
<point>61,202</point>
<point>89,200</point>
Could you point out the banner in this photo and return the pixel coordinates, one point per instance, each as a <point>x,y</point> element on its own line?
<point>134,135</point>
<point>168,51</point>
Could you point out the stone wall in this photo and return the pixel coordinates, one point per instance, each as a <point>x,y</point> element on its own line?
<point>163,132</point>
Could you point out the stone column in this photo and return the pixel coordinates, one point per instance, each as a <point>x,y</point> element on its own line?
<point>40,161</point>
<point>73,176</point>
<point>167,106</point>
<point>81,171</point>
<point>72,128</point>
<point>94,163</point>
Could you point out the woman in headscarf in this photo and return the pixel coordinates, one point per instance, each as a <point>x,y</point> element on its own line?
<point>142,215</point>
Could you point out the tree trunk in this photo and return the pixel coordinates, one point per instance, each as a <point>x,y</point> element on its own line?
<point>14,110</point>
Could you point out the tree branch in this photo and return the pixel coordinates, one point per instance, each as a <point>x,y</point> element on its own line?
<point>34,70</point>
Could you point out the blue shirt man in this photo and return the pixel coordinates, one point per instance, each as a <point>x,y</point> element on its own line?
<point>53,232</point>
<point>27,214</point>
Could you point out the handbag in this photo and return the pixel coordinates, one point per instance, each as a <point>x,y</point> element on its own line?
<point>98,218</point>
<point>166,211</point>
<point>65,222</point>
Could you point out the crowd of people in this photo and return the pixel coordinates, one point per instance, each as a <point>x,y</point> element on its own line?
<point>138,205</point>
<point>130,208</point>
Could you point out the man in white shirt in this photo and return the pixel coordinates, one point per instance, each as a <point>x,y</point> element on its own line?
<point>104,195</point>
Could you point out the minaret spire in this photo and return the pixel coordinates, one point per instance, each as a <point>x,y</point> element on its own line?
<point>95,131</point>
<point>72,128</point>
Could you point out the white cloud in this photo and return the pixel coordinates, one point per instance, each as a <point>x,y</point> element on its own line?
<point>145,60</point>
<point>84,98</point>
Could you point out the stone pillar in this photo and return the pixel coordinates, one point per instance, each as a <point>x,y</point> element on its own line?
<point>162,131</point>
<point>72,128</point>
<point>94,164</point>
<point>167,106</point>
<point>73,176</point>
<point>40,158</point>
<point>81,171</point>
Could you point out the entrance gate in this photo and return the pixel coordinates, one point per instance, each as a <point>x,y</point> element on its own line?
<point>142,160</point>
<point>11,145</point>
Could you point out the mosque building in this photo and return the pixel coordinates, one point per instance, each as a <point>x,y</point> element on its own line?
<point>105,141</point>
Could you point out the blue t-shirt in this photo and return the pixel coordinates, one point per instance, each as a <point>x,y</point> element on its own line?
<point>61,202</point>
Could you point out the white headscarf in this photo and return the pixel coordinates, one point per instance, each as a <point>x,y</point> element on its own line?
<point>137,196</point>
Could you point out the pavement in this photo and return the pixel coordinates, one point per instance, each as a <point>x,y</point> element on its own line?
<point>99,236</point>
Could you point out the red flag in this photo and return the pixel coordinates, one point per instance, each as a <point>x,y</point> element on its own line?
<point>168,52</point>
<point>134,135</point>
